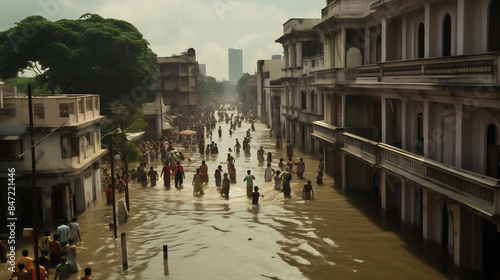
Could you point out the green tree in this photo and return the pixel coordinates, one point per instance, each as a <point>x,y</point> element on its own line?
<point>88,55</point>
<point>241,87</point>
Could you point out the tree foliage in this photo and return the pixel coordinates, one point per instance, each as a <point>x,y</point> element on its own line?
<point>88,55</point>
<point>209,88</point>
<point>241,87</point>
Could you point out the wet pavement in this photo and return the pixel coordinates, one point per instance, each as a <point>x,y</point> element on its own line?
<point>334,236</point>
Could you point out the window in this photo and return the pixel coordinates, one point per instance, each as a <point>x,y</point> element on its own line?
<point>421,41</point>
<point>65,109</point>
<point>303,100</point>
<point>80,107</point>
<point>420,134</point>
<point>493,23</point>
<point>88,104</point>
<point>10,149</point>
<point>447,35</point>
<point>70,146</point>
<point>39,111</point>
<point>89,139</point>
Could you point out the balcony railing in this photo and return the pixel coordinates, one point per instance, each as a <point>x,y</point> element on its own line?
<point>467,69</point>
<point>333,134</point>
<point>477,191</point>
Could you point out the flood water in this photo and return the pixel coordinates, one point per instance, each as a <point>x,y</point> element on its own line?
<point>335,236</point>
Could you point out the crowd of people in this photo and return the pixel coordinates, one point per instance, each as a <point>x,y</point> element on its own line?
<point>201,125</point>
<point>57,256</point>
<point>59,253</point>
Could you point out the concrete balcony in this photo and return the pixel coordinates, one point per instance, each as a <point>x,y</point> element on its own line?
<point>333,135</point>
<point>475,191</point>
<point>292,72</point>
<point>290,112</point>
<point>466,70</point>
<point>332,77</point>
<point>309,117</point>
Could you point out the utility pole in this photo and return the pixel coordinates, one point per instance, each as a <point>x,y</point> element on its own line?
<point>34,188</point>
<point>113,180</point>
<point>126,165</point>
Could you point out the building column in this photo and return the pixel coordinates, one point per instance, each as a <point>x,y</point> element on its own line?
<point>425,214</point>
<point>404,37</point>
<point>367,44</point>
<point>343,110</point>
<point>286,56</point>
<point>384,40</point>
<point>320,103</point>
<point>403,123</point>
<point>461,21</point>
<point>427,23</point>
<point>293,55</point>
<point>384,119</point>
<point>383,189</point>
<point>426,116</point>
<point>299,54</point>
<point>458,134</point>
<point>405,202</point>
<point>344,172</point>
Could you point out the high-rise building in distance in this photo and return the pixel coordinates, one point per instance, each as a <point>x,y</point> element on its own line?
<point>235,58</point>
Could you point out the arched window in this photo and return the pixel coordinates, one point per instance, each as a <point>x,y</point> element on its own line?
<point>421,41</point>
<point>494,23</point>
<point>447,35</point>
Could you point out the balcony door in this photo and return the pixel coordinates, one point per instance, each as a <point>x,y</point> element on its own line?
<point>421,41</point>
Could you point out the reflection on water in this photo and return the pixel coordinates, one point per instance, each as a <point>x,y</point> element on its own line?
<point>210,237</point>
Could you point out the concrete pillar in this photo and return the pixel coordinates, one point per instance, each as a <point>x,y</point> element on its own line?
<point>344,172</point>
<point>427,23</point>
<point>458,134</point>
<point>343,110</point>
<point>426,116</point>
<point>384,119</point>
<point>286,54</point>
<point>367,44</point>
<point>384,40</point>
<point>299,54</point>
<point>293,55</point>
<point>461,21</point>
<point>404,37</point>
<point>405,203</point>
<point>320,109</point>
<point>383,189</point>
<point>403,124</point>
<point>425,214</point>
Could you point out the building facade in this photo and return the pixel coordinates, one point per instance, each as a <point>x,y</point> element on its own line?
<point>235,62</point>
<point>301,102</point>
<point>68,158</point>
<point>411,112</point>
<point>177,80</point>
<point>269,91</point>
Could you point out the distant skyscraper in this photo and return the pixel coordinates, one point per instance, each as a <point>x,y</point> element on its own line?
<point>203,69</point>
<point>235,57</point>
<point>276,56</point>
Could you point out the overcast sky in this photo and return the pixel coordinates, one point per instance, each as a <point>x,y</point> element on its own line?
<point>173,26</point>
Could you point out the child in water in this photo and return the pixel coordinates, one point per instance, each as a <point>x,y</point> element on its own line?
<point>255,196</point>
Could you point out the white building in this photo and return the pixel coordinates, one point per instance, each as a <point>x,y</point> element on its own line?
<point>269,91</point>
<point>68,161</point>
<point>411,112</point>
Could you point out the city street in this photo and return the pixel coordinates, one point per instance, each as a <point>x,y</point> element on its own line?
<point>209,237</point>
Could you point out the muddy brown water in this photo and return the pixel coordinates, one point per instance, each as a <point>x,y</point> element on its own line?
<point>335,236</point>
